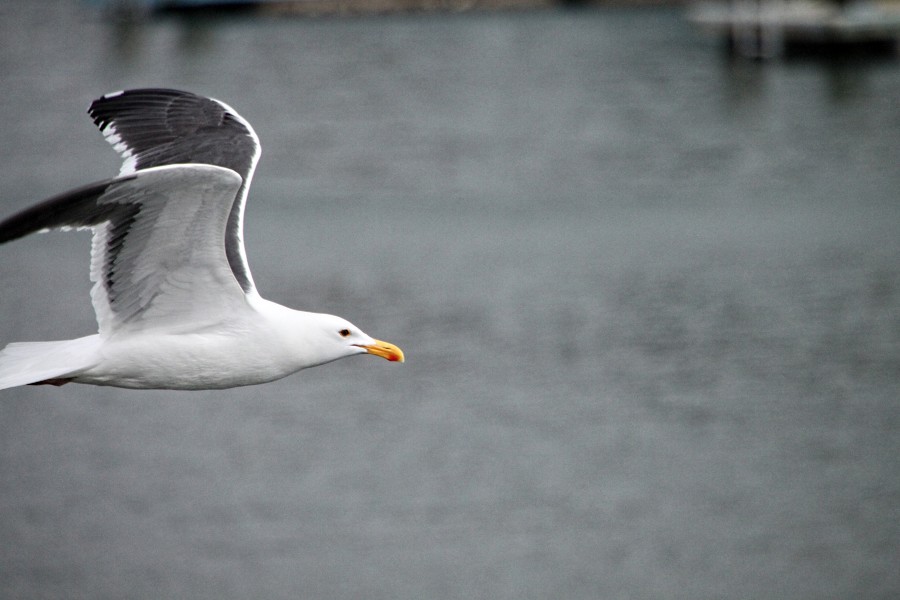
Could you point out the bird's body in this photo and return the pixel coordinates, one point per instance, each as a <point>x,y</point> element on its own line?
<point>267,343</point>
<point>175,302</point>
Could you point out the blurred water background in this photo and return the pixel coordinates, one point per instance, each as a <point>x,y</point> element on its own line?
<point>650,300</point>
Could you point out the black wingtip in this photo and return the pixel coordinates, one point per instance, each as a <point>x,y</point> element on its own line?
<point>75,208</point>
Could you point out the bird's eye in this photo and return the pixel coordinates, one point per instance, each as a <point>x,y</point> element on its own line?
<point>344,332</point>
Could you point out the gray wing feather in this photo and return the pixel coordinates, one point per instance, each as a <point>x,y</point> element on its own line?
<point>157,255</point>
<point>165,265</point>
<point>156,127</point>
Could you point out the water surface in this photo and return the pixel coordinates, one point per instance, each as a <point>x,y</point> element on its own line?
<point>649,299</point>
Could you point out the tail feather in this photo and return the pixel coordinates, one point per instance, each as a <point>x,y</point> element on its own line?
<point>24,363</point>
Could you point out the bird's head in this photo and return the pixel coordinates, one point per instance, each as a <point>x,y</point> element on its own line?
<point>336,338</point>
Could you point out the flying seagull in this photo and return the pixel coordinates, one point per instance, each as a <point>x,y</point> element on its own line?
<point>175,302</point>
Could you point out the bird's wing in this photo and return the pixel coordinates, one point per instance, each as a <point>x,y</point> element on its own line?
<point>158,258</point>
<point>155,127</point>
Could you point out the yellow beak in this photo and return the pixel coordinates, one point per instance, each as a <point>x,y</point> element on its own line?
<point>384,350</point>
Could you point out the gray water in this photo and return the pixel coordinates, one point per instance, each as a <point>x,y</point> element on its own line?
<point>650,302</point>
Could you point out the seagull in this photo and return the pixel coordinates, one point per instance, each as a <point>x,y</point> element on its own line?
<point>175,302</point>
